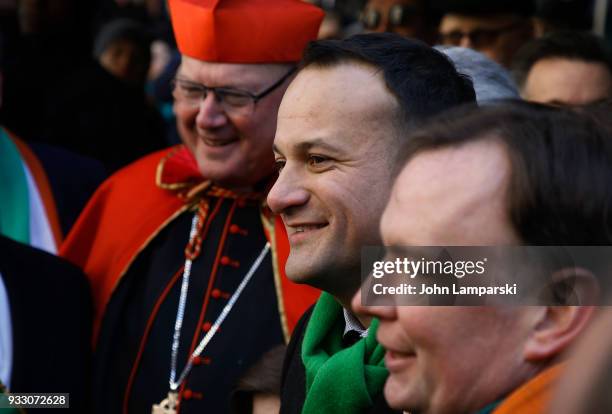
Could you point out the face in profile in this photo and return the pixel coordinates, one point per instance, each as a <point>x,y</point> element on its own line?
<point>437,357</point>
<point>559,81</point>
<point>498,36</point>
<point>231,138</point>
<point>335,147</point>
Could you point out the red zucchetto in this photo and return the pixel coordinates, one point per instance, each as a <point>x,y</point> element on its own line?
<point>244,31</point>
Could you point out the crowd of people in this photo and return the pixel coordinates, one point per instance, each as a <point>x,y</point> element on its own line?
<point>187,188</point>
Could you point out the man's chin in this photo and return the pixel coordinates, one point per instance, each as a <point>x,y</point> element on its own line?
<point>298,273</point>
<point>396,398</point>
<point>296,276</point>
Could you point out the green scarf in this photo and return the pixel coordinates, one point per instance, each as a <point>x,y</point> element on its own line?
<point>14,208</point>
<point>339,380</point>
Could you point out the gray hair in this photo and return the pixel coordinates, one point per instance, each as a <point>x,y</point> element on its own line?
<point>491,81</point>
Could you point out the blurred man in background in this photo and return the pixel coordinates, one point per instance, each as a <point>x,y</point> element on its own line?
<point>496,28</point>
<point>412,18</point>
<point>564,68</point>
<point>492,82</point>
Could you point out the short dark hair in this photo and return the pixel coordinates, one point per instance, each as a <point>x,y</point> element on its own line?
<point>123,29</point>
<point>572,45</point>
<point>560,188</point>
<point>599,112</point>
<point>424,81</point>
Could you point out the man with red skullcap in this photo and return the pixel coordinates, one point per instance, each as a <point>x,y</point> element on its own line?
<point>185,260</point>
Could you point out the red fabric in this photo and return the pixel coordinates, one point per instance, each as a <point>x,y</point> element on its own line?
<point>297,298</point>
<point>126,213</point>
<point>244,31</point>
<point>181,167</point>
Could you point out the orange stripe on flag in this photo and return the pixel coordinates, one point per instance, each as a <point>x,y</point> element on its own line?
<point>44,188</point>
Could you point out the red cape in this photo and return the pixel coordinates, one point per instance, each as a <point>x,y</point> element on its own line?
<point>135,204</point>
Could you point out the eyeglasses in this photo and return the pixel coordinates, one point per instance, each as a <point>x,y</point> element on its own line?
<point>399,15</point>
<point>192,93</point>
<point>478,38</point>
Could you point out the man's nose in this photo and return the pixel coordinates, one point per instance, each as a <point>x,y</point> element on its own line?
<point>211,113</point>
<point>380,312</point>
<point>287,193</point>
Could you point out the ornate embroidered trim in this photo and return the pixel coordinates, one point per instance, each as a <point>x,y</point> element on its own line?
<point>160,172</point>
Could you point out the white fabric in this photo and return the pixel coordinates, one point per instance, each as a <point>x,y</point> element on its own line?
<point>351,323</point>
<point>6,337</point>
<point>41,236</point>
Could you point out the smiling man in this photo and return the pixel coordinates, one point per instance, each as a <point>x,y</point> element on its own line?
<point>339,128</point>
<point>177,237</point>
<point>487,177</point>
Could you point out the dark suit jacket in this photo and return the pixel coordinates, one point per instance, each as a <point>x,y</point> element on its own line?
<point>73,179</point>
<point>293,380</point>
<point>51,317</point>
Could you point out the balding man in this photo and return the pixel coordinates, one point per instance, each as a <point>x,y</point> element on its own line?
<point>496,176</point>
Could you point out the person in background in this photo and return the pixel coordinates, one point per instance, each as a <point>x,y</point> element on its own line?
<point>258,390</point>
<point>492,82</point>
<point>561,15</point>
<point>495,28</point>
<point>103,112</point>
<point>43,190</point>
<point>45,325</point>
<point>123,48</point>
<point>331,26</point>
<point>564,68</point>
<point>54,35</point>
<point>412,18</point>
<point>508,175</point>
<point>172,239</point>
<point>336,147</point>
<point>161,89</point>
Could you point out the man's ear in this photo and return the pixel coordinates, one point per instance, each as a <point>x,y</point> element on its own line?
<point>570,296</point>
<point>554,330</point>
<point>571,286</point>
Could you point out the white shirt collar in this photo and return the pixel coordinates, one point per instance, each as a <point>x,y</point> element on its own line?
<point>351,323</point>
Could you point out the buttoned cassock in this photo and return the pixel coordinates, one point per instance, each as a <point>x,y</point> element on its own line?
<point>130,241</point>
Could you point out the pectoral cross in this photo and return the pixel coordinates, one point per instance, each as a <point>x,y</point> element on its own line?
<point>168,405</point>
